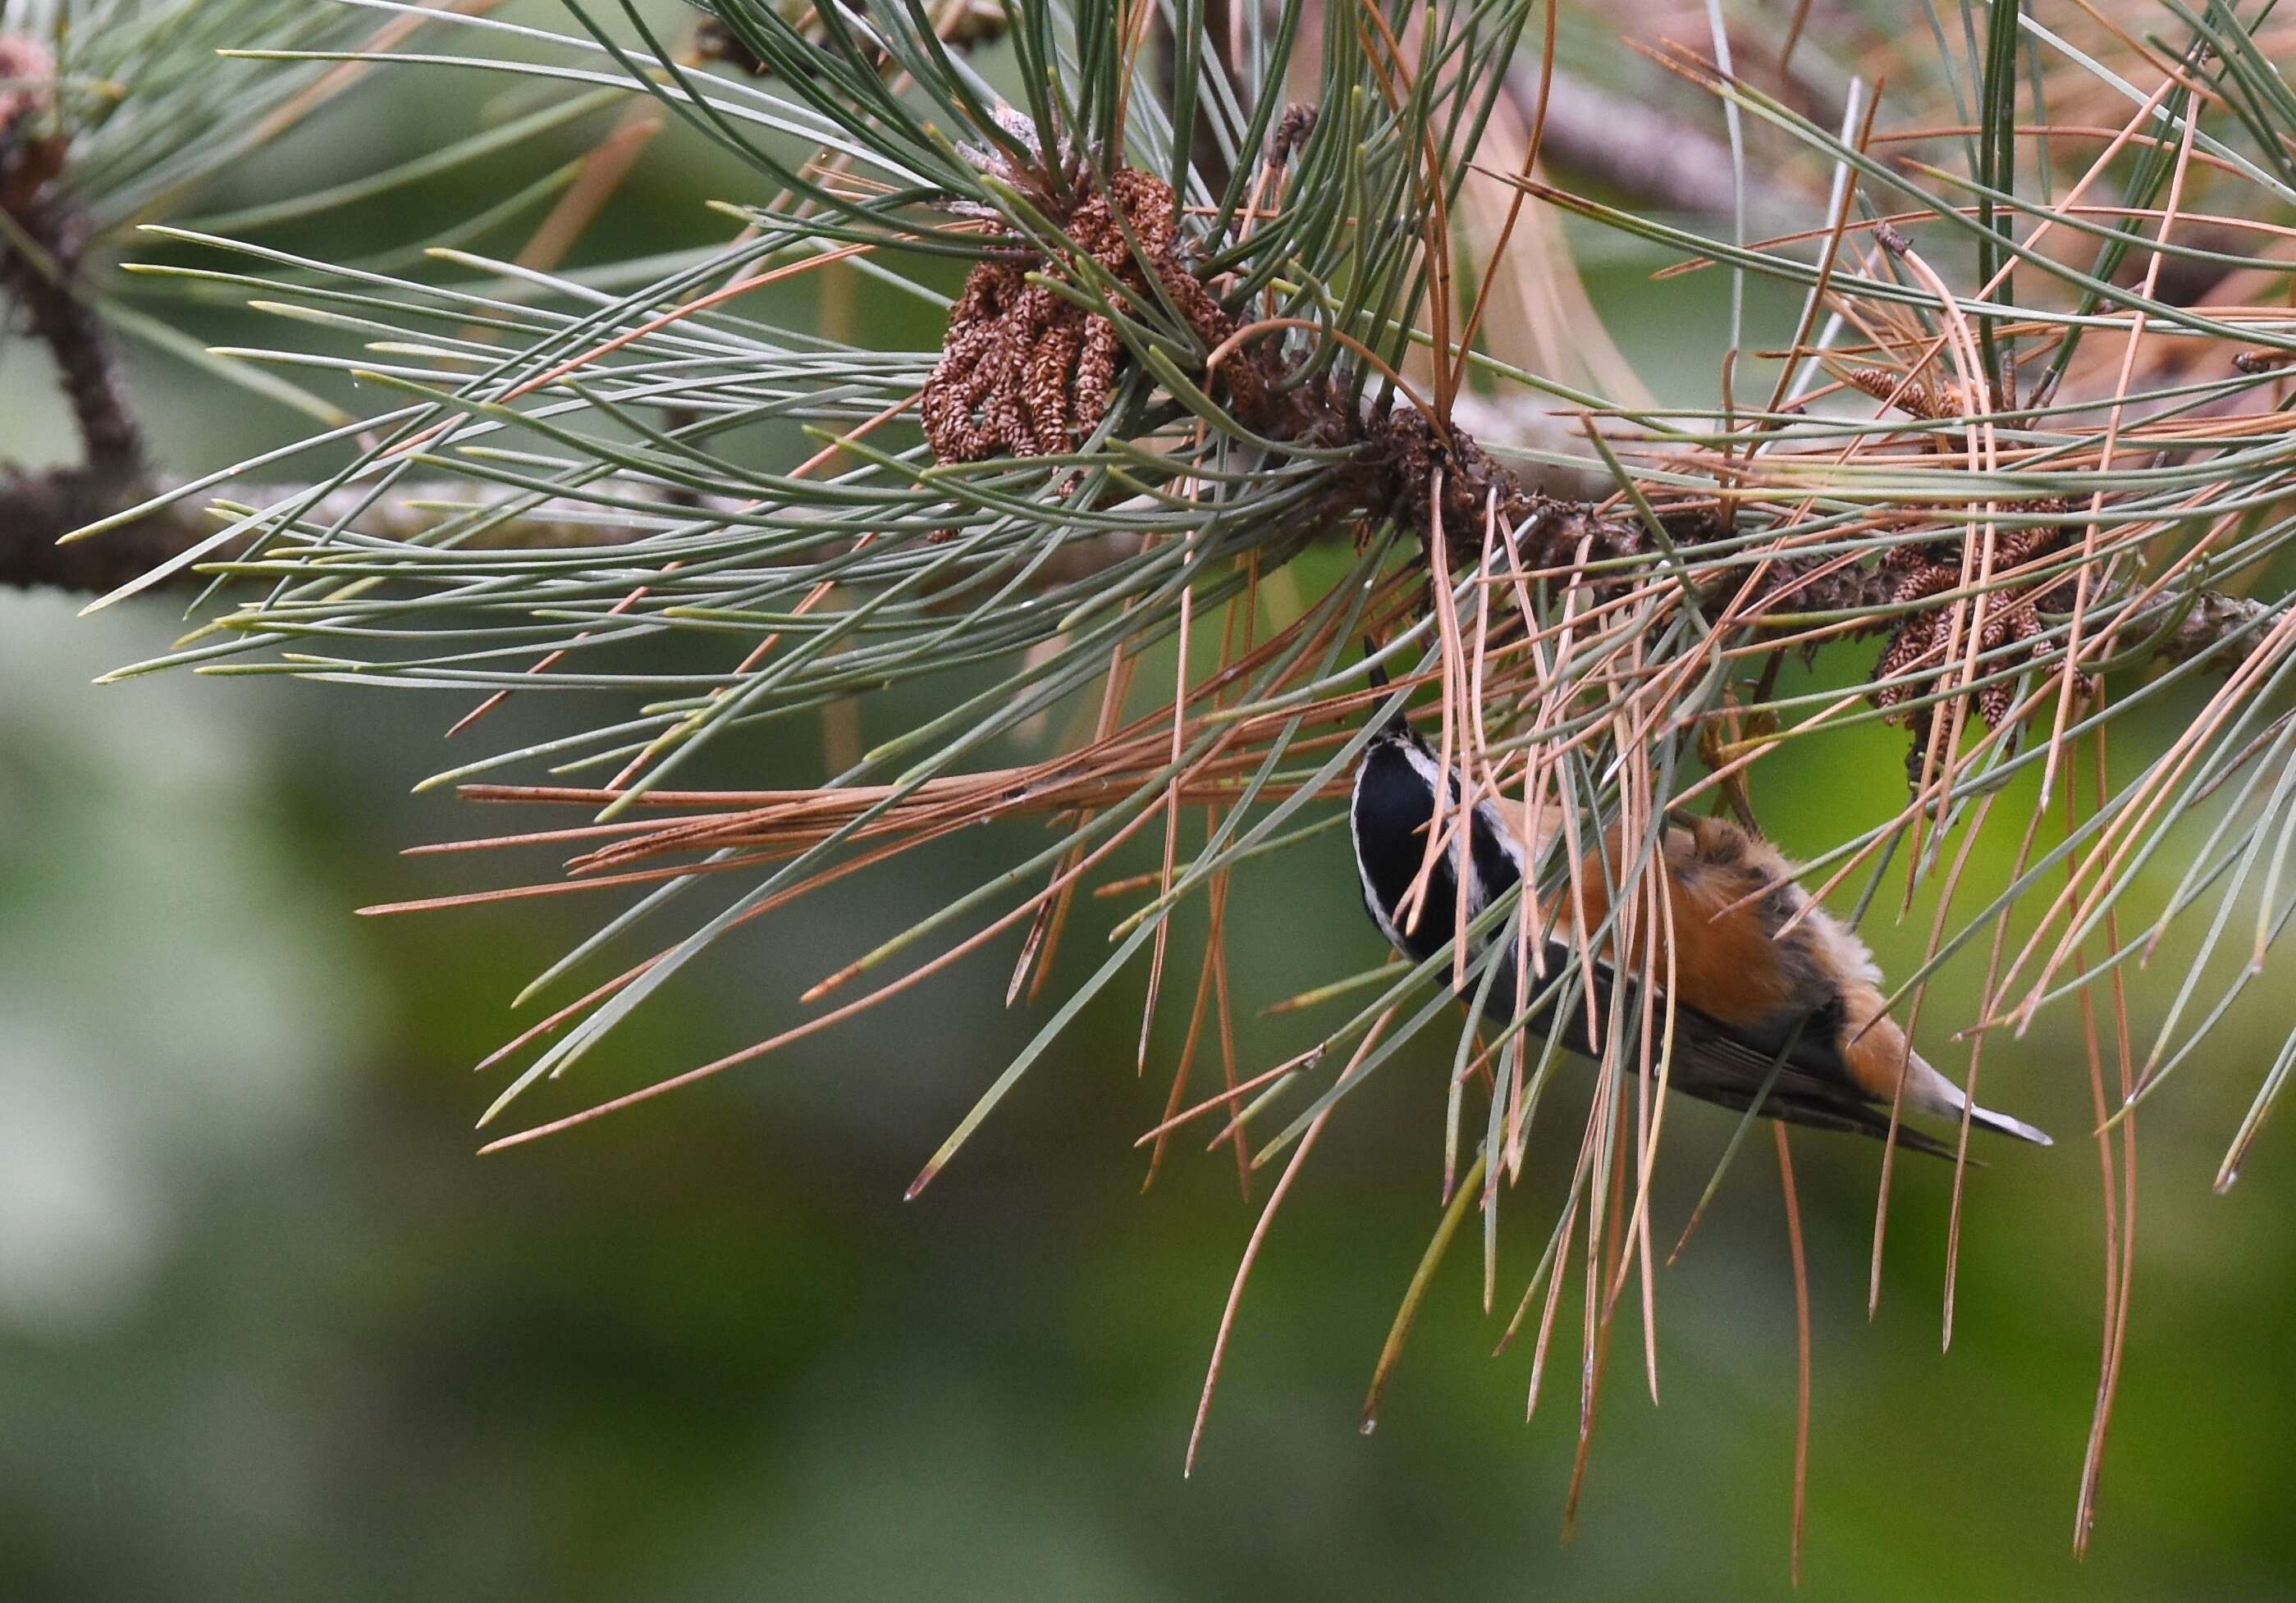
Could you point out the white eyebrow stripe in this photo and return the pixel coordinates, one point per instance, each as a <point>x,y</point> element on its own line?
<point>1486,814</point>
<point>1423,762</point>
<point>1495,822</point>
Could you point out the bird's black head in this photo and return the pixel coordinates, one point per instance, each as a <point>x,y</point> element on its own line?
<point>1388,816</point>
<point>1388,813</point>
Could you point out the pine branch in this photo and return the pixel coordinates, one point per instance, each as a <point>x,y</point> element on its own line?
<point>43,251</point>
<point>38,273</point>
<point>1207,332</point>
<point>38,509</point>
<point>1166,378</point>
<point>1642,150</point>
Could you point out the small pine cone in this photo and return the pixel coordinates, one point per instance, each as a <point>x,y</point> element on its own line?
<point>1912,396</point>
<point>1911,556</point>
<point>1920,583</point>
<point>1912,645</point>
<point>1995,702</point>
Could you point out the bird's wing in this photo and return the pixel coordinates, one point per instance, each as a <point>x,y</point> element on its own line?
<point>1716,1064</point>
<point>1719,1067</point>
<point>1729,1064</point>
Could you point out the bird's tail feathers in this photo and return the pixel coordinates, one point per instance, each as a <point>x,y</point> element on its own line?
<point>2001,1123</point>
<point>1942,1096</point>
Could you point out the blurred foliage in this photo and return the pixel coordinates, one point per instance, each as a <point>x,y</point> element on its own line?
<point>268,1329</point>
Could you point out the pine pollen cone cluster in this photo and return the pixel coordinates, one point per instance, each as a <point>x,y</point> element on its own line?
<point>1025,372</point>
<point>1925,639</point>
<point>1936,638</point>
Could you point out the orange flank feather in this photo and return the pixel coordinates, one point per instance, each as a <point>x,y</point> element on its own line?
<point>1755,956</point>
<point>1726,963</point>
<point>1731,893</point>
<point>1873,1048</point>
<point>1780,1007</point>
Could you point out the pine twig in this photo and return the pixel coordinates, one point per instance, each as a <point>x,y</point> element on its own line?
<point>41,247</point>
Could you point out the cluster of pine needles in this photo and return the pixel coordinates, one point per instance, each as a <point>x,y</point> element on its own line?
<point>2010,476</point>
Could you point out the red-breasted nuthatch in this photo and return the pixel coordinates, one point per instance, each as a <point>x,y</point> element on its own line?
<point>1799,1012</point>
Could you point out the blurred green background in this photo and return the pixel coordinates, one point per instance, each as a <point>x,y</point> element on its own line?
<point>269,1328</point>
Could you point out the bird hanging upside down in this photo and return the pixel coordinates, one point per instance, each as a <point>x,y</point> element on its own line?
<point>1745,996</point>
